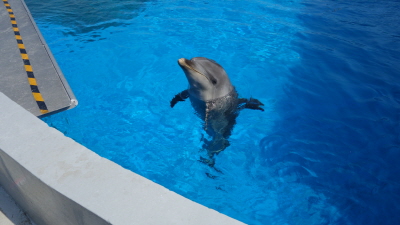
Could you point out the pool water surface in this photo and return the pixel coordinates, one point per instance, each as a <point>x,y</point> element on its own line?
<point>324,151</point>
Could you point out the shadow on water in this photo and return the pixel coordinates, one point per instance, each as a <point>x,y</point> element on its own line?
<point>340,127</point>
<point>85,16</point>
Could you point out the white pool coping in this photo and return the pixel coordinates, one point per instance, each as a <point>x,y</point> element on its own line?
<point>55,180</point>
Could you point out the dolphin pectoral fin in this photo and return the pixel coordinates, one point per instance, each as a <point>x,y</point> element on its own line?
<point>180,97</point>
<point>251,103</point>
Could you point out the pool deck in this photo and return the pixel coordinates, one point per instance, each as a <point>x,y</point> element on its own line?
<point>29,74</point>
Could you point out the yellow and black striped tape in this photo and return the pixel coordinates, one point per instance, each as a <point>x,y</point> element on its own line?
<point>25,58</point>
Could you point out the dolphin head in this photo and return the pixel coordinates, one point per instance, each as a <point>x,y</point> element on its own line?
<point>207,79</point>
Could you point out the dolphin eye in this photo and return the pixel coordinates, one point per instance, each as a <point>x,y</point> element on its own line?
<point>213,80</point>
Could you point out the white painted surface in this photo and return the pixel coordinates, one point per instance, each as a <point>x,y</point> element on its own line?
<point>58,181</point>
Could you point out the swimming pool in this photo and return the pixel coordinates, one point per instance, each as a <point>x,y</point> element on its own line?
<point>324,150</point>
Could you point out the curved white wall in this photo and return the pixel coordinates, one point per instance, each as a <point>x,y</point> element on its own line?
<point>58,181</point>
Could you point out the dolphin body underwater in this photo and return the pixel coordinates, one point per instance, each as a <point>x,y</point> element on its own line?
<point>215,101</point>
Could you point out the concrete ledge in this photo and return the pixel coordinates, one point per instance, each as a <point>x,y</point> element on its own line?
<point>58,181</point>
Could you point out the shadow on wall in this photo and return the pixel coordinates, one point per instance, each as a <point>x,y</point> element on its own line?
<point>10,213</point>
<point>47,206</point>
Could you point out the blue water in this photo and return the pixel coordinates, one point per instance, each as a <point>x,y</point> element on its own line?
<point>324,151</point>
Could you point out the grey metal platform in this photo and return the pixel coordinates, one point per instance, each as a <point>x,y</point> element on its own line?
<point>29,74</point>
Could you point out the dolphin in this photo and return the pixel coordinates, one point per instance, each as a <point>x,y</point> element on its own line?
<point>214,100</point>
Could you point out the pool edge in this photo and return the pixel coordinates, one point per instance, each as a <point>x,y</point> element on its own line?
<point>58,181</point>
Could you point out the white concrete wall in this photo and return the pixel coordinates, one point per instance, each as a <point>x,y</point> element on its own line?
<point>58,181</point>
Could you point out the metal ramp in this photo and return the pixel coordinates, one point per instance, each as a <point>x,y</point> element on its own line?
<point>29,74</point>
